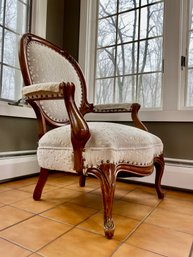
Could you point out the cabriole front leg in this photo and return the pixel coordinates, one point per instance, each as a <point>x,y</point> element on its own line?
<point>106,173</point>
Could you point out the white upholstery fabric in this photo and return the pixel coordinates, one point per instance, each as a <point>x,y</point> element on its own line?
<point>109,142</point>
<point>48,90</point>
<point>46,65</point>
<point>41,88</point>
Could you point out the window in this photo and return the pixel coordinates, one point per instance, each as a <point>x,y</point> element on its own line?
<point>174,85</point>
<point>14,21</point>
<point>129,52</point>
<point>189,91</point>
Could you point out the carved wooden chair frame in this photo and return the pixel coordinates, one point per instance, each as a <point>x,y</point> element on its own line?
<point>106,172</point>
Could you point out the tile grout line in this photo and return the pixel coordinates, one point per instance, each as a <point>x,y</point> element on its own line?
<point>133,231</point>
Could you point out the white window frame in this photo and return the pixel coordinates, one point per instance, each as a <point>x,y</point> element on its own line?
<point>173,87</point>
<point>38,27</point>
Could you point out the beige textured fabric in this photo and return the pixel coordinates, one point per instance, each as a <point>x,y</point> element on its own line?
<point>46,65</point>
<point>109,142</point>
<point>42,87</point>
<point>112,107</point>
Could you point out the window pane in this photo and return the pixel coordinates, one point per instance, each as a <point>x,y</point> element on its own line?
<point>14,22</point>
<point>11,77</point>
<point>104,91</point>
<point>106,32</point>
<point>0,44</point>
<point>150,58</point>
<point>144,2</point>
<point>127,59</point>
<point>16,13</point>
<point>189,79</point>
<point>189,94</point>
<point>149,88</point>
<point>190,52</point>
<point>1,11</point>
<point>125,5</point>
<point>125,89</point>
<point>128,26</point>
<point>105,62</point>
<point>137,41</point>
<point>107,7</point>
<point>11,49</point>
<point>151,21</point>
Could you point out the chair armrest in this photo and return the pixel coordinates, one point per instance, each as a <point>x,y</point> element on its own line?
<point>132,108</point>
<point>43,91</point>
<point>106,108</point>
<point>51,90</point>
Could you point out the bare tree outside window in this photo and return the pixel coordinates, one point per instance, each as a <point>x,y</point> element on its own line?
<point>14,21</point>
<point>129,52</point>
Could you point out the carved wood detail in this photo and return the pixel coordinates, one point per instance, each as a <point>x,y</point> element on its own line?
<point>107,174</point>
<point>80,134</point>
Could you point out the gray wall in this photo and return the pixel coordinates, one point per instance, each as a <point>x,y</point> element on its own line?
<point>17,134</point>
<point>63,24</point>
<point>62,29</point>
<point>176,136</point>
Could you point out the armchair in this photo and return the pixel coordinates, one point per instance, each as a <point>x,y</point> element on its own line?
<point>56,89</point>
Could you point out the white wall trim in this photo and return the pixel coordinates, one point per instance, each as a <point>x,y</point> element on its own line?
<point>17,166</point>
<point>39,17</point>
<point>175,175</point>
<point>16,111</point>
<point>158,116</point>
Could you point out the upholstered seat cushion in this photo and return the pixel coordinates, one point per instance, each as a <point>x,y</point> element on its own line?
<point>108,142</point>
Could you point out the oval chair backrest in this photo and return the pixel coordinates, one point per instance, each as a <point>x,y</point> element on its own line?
<point>47,63</point>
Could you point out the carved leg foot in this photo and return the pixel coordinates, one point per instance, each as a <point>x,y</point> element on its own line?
<point>40,184</point>
<point>159,165</point>
<point>82,180</point>
<point>109,228</point>
<point>106,174</point>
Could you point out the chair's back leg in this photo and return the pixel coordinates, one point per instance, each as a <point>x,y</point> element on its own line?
<point>82,180</point>
<point>40,184</point>
<point>159,166</point>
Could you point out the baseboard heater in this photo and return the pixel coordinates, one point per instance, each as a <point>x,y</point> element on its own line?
<point>17,164</point>
<point>178,173</point>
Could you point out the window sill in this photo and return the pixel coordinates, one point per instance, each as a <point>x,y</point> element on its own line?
<point>157,116</point>
<point>16,111</point>
<point>151,116</point>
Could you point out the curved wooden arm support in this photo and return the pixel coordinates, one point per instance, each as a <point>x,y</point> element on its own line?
<point>134,115</point>
<point>132,108</point>
<point>79,129</point>
<point>42,128</point>
<point>107,174</point>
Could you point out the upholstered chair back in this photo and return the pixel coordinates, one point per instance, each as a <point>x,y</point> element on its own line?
<point>51,64</point>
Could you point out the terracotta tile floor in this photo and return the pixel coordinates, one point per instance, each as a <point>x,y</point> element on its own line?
<point>68,221</point>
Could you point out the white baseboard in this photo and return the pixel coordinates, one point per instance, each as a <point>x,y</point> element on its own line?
<point>175,175</point>
<point>17,166</point>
